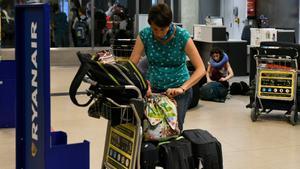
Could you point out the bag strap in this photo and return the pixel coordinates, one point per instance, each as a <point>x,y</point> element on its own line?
<point>83,69</point>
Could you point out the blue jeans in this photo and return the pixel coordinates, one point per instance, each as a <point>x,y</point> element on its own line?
<point>183,101</point>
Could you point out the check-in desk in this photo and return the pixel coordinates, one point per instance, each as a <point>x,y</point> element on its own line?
<point>235,49</point>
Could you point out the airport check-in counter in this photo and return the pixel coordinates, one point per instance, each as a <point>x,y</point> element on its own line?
<point>208,37</point>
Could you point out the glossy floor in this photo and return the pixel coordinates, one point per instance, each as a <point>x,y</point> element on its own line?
<point>270,143</point>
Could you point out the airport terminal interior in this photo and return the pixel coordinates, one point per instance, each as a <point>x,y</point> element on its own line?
<point>269,141</point>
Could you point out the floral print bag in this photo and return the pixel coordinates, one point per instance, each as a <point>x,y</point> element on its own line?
<point>161,122</point>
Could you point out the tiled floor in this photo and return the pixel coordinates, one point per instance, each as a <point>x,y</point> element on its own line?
<point>270,143</point>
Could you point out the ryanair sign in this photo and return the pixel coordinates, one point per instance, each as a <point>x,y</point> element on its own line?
<point>33,86</point>
<point>34,91</point>
<point>35,148</point>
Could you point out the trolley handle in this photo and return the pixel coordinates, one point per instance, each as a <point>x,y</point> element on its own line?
<point>122,88</point>
<point>116,104</point>
<point>277,57</point>
<point>125,40</point>
<point>120,42</point>
<point>268,50</point>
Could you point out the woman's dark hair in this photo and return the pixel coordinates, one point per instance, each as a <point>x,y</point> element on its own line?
<point>217,50</point>
<point>160,15</point>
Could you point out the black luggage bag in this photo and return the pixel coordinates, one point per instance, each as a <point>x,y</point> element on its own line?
<point>207,150</point>
<point>176,154</point>
<point>149,155</point>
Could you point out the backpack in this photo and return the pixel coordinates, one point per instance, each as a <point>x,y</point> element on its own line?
<point>239,88</point>
<point>81,29</point>
<point>108,80</point>
<point>213,91</point>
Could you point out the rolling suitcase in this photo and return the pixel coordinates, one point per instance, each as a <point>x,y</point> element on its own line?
<point>207,150</point>
<point>176,154</point>
<point>149,155</point>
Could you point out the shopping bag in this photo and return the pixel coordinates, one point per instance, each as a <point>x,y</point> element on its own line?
<point>161,121</point>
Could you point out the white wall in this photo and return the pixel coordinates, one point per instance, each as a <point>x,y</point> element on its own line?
<point>233,28</point>
<point>189,14</point>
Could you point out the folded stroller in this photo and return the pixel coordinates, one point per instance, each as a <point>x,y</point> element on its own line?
<point>109,80</point>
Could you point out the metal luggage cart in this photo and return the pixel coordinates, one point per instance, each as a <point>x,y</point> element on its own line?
<point>276,83</point>
<point>124,130</point>
<point>123,141</point>
<point>122,47</point>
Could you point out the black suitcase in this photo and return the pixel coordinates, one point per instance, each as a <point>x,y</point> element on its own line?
<point>149,155</point>
<point>176,154</point>
<point>207,150</point>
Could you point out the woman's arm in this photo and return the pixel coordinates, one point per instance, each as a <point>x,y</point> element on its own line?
<point>195,58</point>
<point>197,62</point>
<point>138,51</point>
<point>230,73</point>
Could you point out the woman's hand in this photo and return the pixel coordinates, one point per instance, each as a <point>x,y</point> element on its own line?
<point>222,79</point>
<point>172,92</point>
<point>149,91</point>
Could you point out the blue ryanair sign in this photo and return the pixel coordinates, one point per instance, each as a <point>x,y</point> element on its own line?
<point>33,145</point>
<point>34,89</point>
<point>33,81</point>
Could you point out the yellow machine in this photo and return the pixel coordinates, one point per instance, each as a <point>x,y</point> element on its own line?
<point>121,147</point>
<point>276,85</point>
<point>123,140</point>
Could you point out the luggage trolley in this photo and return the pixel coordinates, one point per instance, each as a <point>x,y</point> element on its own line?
<point>124,131</point>
<point>123,141</point>
<point>276,82</point>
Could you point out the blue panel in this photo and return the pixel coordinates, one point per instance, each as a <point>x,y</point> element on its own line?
<point>7,102</point>
<point>58,138</point>
<point>71,156</point>
<point>8,69</point>
<point>7,93</point>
